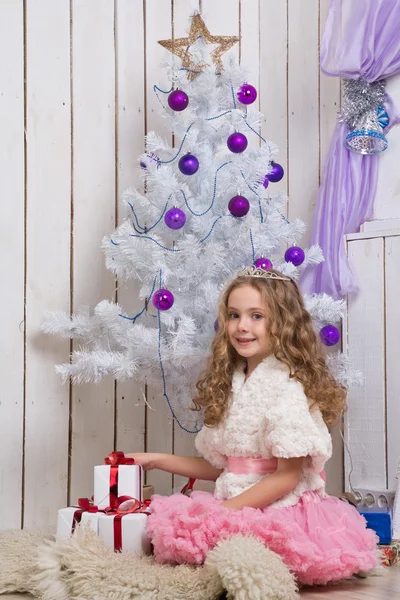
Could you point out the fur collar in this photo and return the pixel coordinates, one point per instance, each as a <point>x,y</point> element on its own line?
<point>268,369</point>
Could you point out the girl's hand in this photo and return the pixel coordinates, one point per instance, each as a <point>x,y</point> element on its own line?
<point>148,460</point>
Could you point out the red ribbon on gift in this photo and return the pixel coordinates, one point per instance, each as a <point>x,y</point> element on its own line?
<point>189,486</point>
<point>115,459</point>
<point>118,458</point>
<point>126,506</point>
<point>84,505</point>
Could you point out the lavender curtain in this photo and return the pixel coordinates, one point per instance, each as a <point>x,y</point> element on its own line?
<point>361,40</point>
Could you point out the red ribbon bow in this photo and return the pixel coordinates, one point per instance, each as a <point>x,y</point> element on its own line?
<point>115,460</point>
<point>84,505</point>
<point>125,506</point>
<point>87,505</point>
<point>118,458</point>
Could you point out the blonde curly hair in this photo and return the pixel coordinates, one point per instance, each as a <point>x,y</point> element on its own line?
<point>294,342</point>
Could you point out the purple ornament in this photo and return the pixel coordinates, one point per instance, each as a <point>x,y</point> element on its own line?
<point>277,172</point>
<point>295,255</point>
<point>216,325</point>
<point>329,335</point>
<point>188,164</point>
<point>239,206</point>
<point>263,263</point>
<point>237,142</point>
<point>247,94</point>
<point>266,182</point>
<point>175,218</point>
<point>178,100</point>
<point>163,299</point>
<point>143,164</point>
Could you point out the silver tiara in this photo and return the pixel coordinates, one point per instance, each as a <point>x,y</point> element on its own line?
<point>253,271</point>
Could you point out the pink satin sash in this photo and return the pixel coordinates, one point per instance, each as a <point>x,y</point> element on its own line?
<point>248,465</point>
<point>244,465</point>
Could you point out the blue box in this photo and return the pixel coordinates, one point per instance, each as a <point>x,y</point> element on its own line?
<point>379,519</point>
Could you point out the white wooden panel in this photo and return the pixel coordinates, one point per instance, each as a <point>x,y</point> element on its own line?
<point>369,234</point>
<point>94,217</point>
<point>384,226</point>
<point>12,267</point>
<point>158,24</point>
<point>387,203</point>
<point>273,82</point>
<point>222,18</point>
<point>329,97</point>
<point>130,405</point>
<point>365,420</point>
<point>392,282</point>
<point>181,12</point>
<point>48,165</point>
<point>303,109</point>
<point>334,468</point>
<point>250,52</point>
<point>329,106</point>
<point>183,442</point>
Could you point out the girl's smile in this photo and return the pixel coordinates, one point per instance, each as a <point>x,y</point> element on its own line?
<point>245,341</point>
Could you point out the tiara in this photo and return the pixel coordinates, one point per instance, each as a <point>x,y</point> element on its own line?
<point>253,271</point>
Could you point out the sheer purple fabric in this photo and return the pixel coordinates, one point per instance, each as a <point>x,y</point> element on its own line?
<point>361,40</point>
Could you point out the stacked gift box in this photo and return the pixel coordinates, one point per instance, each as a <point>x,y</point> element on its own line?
<point>119,510</point>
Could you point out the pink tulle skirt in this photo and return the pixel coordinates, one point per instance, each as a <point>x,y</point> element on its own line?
<point>319,539</point>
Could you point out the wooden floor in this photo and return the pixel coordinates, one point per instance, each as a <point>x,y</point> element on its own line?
<point>386,587</point>
<point>373,588</point>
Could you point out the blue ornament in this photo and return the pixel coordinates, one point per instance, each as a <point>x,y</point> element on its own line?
<point>383,117</point>
<point>367,137</point>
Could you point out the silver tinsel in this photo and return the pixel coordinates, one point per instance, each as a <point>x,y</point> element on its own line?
<point>362,105</point>
<point>359,98</point>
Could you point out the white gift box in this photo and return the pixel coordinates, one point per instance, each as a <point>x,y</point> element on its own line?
<point>130,483</point>
<point>65,519</point>
<point>133,532</point>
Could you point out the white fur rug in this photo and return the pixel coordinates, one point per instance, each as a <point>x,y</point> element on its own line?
<point>81,568</point>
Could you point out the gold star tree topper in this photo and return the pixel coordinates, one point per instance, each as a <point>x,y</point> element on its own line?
<point>181,46</point>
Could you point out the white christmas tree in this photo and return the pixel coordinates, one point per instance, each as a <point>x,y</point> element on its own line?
<point>207,211</point>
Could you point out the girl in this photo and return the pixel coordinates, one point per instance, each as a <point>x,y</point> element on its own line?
<point>268,398</point>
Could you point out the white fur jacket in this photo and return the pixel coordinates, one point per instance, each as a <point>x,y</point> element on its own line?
<point>268,416</point>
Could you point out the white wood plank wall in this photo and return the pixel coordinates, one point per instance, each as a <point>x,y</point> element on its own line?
<point>371,334</point>
<point>76,100</point>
